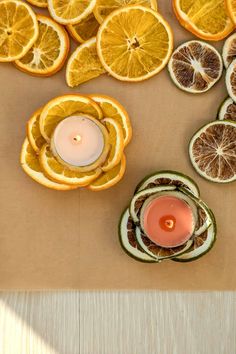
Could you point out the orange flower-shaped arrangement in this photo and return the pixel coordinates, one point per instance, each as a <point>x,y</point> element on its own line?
<point>77,141</point>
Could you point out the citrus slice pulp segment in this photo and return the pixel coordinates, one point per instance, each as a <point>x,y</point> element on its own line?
<point>84,64</point>
<point>207,19</point>
<point>212,151</point>
<point>85,29</point>
<point>64,106</point>
<point>134,43</point>
<point>104,7</point>
<point>39,3</point>
<point>139,198</point>
<point>113,109</point>
<point>128,239</point>
<point>201,245</point>
<point>168,178</point>
<point>227,110</point>
<point>60,173</point>
<point>70,11</point>
<point>33,132</point>
<point>231,7</point>
<point>229,50</point>
<point>230,80</point>
<point>109,178</point>
<point>157,252</point>
<point>18,29</point>
<point>31,166</point>
<point>195,66</point>
<point>116,141</point>
<point>49,52</point>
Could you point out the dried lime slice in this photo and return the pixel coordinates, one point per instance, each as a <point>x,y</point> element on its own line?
<point>230,80</point>
<point>168,178</point>
<point>227,110</point>
<point>195,66</point>
<point>128,239</point>
<point>212,151</point>
<point>229,50</point>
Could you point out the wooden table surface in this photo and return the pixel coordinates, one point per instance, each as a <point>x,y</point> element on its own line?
<point>118,323</point>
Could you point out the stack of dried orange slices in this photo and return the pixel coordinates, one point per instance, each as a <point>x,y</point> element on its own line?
<point>42,165</point>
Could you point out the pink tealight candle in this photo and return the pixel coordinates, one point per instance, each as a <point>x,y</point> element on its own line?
<point>168,221</point>
<point>78,140</point>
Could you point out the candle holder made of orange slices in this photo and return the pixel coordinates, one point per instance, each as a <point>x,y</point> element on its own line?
<point>42,165</point>
<point>135,241</point>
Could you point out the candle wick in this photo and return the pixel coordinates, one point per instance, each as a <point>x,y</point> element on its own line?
<point>77,138</point>
<point>169,224</point>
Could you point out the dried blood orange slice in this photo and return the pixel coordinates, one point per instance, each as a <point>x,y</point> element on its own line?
<point>229,50</point>
<point>195,66</point>
<point>227,110</point>
<point>212,151</point>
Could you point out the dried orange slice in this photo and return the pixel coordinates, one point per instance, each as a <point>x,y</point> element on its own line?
<point>212,151</point>
<point>195,66</point>
<point>116,141</point>
<point>30,164</point>
<point>113,109</point>
<point>207,19</point>
<point>62,174</point>
<point>49,52</point>
<point>33,132</point>
<point>103,7</point>
<point>229,50</point>
<point>65,106</point>
<point>85,29</point>
<point>109,178</point>
<point>39,3</point>
<point>70,12</point>
<point>84,64</point>
<point>134,43</point>
<point>18,29</point>
<point>231,7</point>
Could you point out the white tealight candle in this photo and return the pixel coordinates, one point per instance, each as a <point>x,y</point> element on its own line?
<point>79,141</point>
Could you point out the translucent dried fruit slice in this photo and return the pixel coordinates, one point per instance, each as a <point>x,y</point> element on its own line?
<point>134,43</point>
<point>227,110</point>
<point>195,66</point>
<point>34,135</point>
<point>207,19</point>
<point>157,252</point>
<point>168,178</point>
<point>39,3</point>
<point>85,29</point>
<point>60,173</point>
<point>229,50</point>
<point>110,178</point>
<point>103,7</point>
<point>49,52</point>
<point>230,79</point>
<point>70,12</point>
<point>231,7</point>
<point>212,151</point>
<point>84,64</point>
<point>65,106</point>
<point>31,166</point>
<point>113,109</point>
<point>128,239</point>
<point>116,141</point>
<point>202,244</point>
<point>18,29</point>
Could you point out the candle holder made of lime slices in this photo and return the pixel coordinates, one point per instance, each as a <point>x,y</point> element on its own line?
<point>52,163</point>
<point>155,243</point>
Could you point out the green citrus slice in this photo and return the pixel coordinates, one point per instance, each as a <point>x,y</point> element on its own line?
<point>230,80</point>
<point>168,178</point>
<point>128,239</point>
<point>157,252</point>
<point>195,66</point>
<point>227,110</point>
<point>212,151</point>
